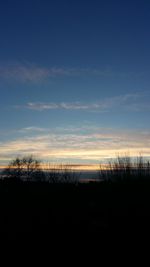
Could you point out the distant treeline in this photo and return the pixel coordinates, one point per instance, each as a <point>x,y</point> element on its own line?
<point>123,168</point>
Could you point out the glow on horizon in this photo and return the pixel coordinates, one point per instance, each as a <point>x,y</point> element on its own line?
<point>83,146</point>
<point>73,167</point>
<point>47,163</point>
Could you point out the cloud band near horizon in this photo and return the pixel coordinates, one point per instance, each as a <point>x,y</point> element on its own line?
<point>78,148</point>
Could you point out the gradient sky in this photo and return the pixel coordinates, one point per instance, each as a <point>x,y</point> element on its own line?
<point>74,79</point>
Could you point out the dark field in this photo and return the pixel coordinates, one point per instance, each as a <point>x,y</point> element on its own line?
<point>41,210</point>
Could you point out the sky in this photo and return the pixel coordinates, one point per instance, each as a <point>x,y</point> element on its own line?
<point>74,79</point>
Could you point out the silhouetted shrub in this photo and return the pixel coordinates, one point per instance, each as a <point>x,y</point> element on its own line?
<point>60,174</point>
<point>124,168</point>
<point>52,173</point>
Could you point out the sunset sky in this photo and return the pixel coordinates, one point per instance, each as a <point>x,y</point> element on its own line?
<point>74,79</point>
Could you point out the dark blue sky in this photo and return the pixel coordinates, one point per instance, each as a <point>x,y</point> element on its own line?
<point>76,33</point>
<point>75,71</point>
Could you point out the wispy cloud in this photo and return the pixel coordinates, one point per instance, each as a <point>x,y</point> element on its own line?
<point>27,72</point>
<point>24,73</point>
<point>64,105</point>
<point>103,105</point>
<point>32,129</point>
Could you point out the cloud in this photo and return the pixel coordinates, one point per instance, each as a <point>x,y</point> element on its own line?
<point>103,105</point>
<point>66,106</point>
<point>24,73</point>
<point>27,72</point>
<point>88,147</point>
<point>31,129</point>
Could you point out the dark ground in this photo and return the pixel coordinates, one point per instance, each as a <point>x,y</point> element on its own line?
<point>107,218</point>
<point>42,209</point>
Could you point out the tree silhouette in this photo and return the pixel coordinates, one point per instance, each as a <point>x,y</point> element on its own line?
<point>25,168</point>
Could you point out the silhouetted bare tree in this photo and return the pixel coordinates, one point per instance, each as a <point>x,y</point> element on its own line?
<point>26,168</point>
